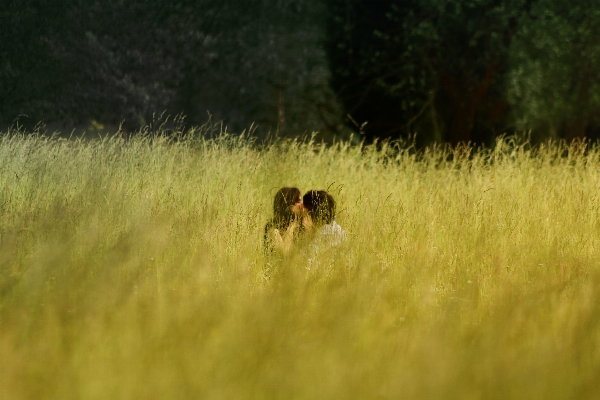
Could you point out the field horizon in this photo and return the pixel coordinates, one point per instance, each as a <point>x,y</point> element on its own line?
<point>135,269</point>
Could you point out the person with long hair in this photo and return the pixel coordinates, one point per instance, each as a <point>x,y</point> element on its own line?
<point>286,225</point>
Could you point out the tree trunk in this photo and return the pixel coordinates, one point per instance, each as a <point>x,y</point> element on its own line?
<point>464,98</point>
<point>575,127</point>
<point>462,119</point>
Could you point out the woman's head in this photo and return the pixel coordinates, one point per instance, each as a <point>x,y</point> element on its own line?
<point>320,206</point>
<point>287,205</point>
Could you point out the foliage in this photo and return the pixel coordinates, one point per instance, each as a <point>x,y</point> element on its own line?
<point>25,56</point>
<point>134,269</point>
<point>437,63</point>
<point>444,70</point>
<point>241,61</point>
<point>554,83</point>
<point>84,59</point>
<point>270,68</point>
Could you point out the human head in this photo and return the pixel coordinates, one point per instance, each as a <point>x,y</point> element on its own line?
<point>286,205</point>
<point>320,206</point>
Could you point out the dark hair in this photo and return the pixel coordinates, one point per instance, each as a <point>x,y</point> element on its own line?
<point>283,216</point>
<point>320,206</point>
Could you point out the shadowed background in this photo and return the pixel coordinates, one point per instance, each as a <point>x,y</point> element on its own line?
<point>440,70</point>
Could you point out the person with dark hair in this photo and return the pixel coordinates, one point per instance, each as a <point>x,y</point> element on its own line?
<point>286,225</point>
<point>320,208</point>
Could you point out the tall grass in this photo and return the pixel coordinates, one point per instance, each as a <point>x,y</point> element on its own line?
<point>134,269</point>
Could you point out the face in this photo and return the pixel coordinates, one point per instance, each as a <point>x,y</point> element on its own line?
<point>298,208</point>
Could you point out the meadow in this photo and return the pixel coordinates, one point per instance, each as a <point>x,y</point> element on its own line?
<point>134,269</point>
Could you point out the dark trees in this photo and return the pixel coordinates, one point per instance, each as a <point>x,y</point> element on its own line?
<point>445,70</point>
<point>72,60</point>
<point>112,60</point>
<point>554,80</point>
<point>437,64</point>
<point>261,61</point>
<point>27,32</point>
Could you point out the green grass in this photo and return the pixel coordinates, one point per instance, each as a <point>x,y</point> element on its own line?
<point>134,270</point>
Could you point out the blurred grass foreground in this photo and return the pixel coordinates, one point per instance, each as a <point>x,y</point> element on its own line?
<point>134,270</point>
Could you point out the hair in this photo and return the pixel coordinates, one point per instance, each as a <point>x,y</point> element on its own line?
<point>320,206</point>
<point>285,198</point>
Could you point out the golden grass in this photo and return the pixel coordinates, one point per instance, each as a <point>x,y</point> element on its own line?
<point>134,270</point>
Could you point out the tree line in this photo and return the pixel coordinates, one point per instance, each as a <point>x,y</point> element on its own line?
<point>433,70</point>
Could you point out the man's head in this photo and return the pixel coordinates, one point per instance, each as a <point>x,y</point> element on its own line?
<point>320,206</point>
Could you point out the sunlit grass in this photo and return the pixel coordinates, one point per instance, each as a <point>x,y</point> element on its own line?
<point>134,269</point>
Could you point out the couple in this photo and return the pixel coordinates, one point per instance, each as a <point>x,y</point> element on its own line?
<point>297,218</point>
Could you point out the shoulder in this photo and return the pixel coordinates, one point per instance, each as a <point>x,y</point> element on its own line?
<point>334,233</point>
<point>332,229</point>
<point>270,230</point>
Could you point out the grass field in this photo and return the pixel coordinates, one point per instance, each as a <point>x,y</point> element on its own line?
<point>134,270</point>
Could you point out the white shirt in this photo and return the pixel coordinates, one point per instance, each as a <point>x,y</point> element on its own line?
<point>328,236</point>
<point>332,234</point>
